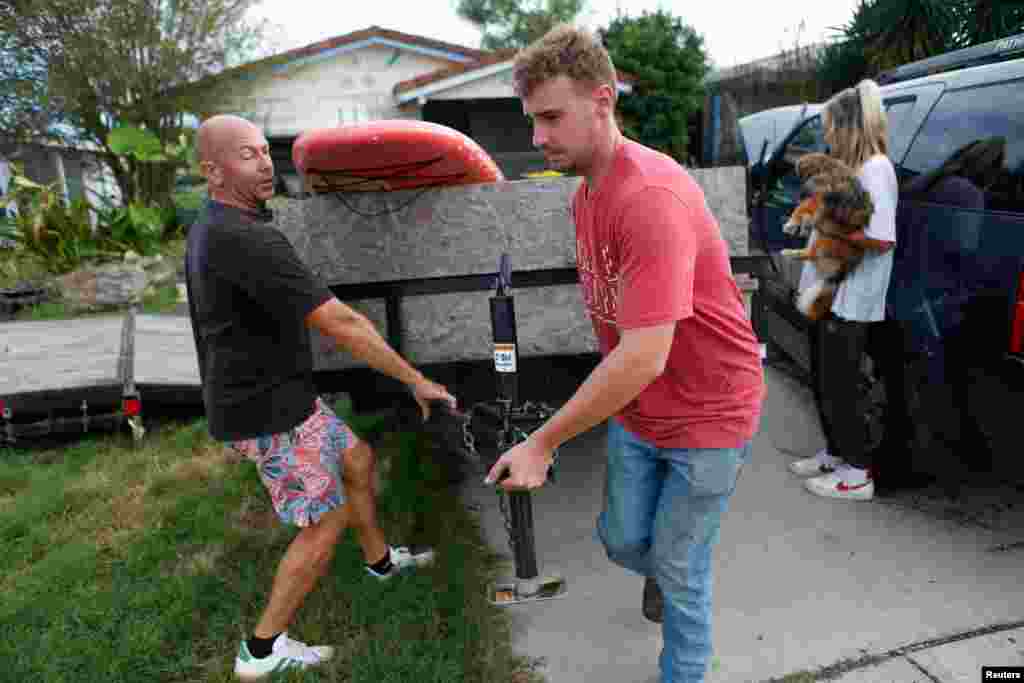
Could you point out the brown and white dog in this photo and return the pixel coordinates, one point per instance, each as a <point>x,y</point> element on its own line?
<point>837,206</point>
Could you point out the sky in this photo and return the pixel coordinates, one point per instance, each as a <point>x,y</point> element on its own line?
<point>735,31</point>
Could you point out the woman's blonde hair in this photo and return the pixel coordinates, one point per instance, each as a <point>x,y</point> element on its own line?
<point>563,51</point>
<point>860,127</point>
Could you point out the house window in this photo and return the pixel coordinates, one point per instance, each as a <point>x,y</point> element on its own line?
<point>353,112</point>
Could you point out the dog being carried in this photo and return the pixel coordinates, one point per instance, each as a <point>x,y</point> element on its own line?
<point>838,205</point>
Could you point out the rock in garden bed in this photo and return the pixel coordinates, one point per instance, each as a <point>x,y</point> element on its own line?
<point>115,284</point>
<point>96,286</point>
<point>101,286</point>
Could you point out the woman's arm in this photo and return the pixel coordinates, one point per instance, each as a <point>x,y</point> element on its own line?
<point>879,180</point>
<point>880,246</point>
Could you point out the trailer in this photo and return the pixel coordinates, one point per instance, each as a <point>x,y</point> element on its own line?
<point>92,374</point>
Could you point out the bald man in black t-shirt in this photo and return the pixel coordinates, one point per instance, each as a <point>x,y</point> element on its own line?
<point>252,301</point>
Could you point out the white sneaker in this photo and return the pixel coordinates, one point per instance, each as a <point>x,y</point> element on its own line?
<point>404,559</point>
<point>287,654</point>
<point>818,464</point>
<point>834,486</point>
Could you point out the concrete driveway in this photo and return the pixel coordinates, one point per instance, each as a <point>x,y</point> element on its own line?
<point>909,588</point>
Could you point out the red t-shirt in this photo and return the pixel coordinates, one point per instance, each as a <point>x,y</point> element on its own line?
<point>649,252</point>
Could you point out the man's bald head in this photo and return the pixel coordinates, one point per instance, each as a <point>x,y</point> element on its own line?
<point>218,132</point>
<point>234,157</point>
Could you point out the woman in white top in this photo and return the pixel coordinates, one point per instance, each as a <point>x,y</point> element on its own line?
<point>856,130</point>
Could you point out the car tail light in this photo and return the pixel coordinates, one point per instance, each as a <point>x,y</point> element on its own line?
<point>1017,328</point>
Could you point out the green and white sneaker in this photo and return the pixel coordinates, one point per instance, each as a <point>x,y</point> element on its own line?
<point>404,559</point>
<point>287,654</point>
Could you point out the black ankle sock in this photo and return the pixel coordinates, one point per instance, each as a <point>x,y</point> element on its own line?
<point>382,566</point>
<point>261,647</point>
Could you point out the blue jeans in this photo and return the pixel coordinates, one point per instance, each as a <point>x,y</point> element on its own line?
<point>662,512</point>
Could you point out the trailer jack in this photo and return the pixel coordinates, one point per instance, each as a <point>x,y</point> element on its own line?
<point>496,426</point>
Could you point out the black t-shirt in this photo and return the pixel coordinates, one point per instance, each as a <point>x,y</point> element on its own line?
<point>248,296</point>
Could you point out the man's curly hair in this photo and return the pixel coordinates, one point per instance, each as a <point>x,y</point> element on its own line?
<point>563,51</point>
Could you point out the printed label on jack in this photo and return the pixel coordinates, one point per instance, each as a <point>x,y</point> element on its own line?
<point>505,357</point>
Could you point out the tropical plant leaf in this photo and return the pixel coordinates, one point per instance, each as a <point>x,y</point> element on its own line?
<point>9,230</point>
<point>20,182</point>
<point>132,141</point>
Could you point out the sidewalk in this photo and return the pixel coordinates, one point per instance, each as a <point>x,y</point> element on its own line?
<point>802,584</point>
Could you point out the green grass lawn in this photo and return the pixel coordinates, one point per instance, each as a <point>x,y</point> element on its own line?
<point>149,564</point>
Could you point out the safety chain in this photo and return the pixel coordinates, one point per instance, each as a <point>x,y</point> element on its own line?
<point>518,436</point>
<point>542,412</point>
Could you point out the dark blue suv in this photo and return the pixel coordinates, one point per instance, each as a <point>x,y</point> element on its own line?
<point>956,125</point>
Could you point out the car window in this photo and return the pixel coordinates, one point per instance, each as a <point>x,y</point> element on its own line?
<point>896,111</point>
<point>970,151</point>
<point>809,138</point>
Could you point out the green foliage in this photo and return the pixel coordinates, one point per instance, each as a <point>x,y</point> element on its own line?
<point>17,267</point>
<point>142,144</point>
<point>135,224</point>
<point>135,142</point>
<point>669,60</point>
<point>134,227</point>
<point>61,235</point>
<point>190,200</point>
<point>66,240</point>
<point>148,164</point>
<point>985,20</point>
<point>163,300</point>
<point>58,234</point>
<point>895,32</point>
<point>841,65</point>
<point>95,67</point>
<point>516,23</point>
<point>883,34</point>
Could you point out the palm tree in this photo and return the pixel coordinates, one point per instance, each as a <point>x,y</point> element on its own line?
<point>883,34</point>
<point>895,32</point>
<point>986,20</point>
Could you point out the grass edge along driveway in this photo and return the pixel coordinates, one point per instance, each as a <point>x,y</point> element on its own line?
<point>150,564</point>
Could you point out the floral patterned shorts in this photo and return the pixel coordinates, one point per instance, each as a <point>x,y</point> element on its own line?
<point>301,468</point>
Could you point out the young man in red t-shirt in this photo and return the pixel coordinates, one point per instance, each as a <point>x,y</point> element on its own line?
<point>681,372</point>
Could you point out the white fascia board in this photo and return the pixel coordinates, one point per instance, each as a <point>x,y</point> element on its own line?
<point>469,77</point>
<point>371,42</point>
<point>454,81</point>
